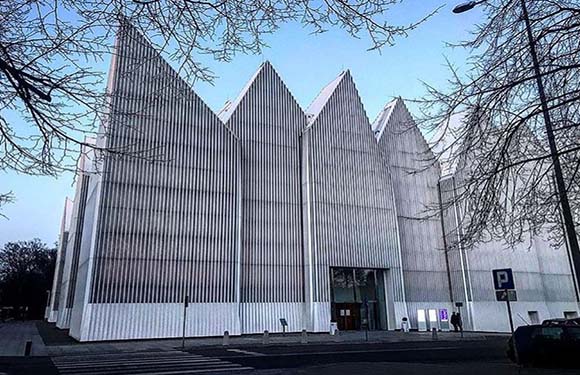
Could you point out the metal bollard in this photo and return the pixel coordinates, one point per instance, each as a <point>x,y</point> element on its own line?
<point>226,341</point>
<point>304,337</point>
<point>27,348</point>
<point>266,338</point>
<point>434,331</point>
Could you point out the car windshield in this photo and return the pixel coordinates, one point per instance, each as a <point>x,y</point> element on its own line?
<point>548,333</point>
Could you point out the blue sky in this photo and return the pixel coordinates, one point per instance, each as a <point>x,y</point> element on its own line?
<point>306,63</point>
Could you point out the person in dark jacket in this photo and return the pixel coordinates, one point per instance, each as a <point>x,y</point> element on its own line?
<point>455,321</point>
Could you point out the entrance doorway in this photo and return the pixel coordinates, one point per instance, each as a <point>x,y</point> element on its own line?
<point>358,298</point>
<point>348,317</point>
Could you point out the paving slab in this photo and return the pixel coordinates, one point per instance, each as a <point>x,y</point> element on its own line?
<point>59,343</point>
<point>15,334</point>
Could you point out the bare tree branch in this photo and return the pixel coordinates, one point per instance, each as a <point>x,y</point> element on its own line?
<point>503,169</point>
<point>49,51</point>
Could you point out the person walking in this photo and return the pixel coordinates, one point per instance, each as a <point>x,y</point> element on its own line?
<point>459,322</point>
<point>454,321</point>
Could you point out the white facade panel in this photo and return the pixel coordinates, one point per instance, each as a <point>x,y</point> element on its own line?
<point>54,303</point>
<point>121,321</point>
<point>260,317</point>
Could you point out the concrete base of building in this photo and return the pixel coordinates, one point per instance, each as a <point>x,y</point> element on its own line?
<point>260,317</point>
<point>492,316</point>
<point>52,316</point>
<point>125,321</point>
<point>63,321</point>
<point>103,322</point>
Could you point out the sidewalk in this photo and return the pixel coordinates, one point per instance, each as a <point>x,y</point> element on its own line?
<point>56,345</point>
<point>13,337</point>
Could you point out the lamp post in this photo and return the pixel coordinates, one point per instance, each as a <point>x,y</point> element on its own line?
<point>560,184</point>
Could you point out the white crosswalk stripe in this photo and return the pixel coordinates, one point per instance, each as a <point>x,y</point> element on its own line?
<point>143,363</point>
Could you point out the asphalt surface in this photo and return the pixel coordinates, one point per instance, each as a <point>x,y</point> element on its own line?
<point>27,366</point>
<point>52,335</point>
<point>473,357</point>
<point>292,356</point>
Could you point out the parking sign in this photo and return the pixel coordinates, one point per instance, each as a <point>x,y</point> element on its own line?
<point>503,279</point>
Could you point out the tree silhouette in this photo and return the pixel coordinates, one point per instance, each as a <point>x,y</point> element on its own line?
<point>26,271</point>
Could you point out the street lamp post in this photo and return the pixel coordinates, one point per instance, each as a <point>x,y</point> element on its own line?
<point>560,184</point>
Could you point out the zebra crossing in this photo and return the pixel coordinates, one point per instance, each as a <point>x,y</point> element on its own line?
<point>150,363</point>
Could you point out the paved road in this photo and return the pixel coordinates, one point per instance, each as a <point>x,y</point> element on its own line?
<point>477,356</point>
<point>154,362</point>
<point>480,357</point>
<point>294,356</point>
<point>451,358</point>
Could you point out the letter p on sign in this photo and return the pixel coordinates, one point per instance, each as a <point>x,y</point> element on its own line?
<point>503,279</point>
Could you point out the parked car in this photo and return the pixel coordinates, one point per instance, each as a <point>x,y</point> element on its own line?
<point>561,322</point>
<point>554,343</point>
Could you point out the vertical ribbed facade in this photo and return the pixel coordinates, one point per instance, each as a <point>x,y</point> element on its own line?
<point>80,309</point>
<point>166,225</point>
<point>247,213</point>
<point>268,122</point>
<point>415,175</point>
<point>349,210</point>
<point>459,270</point>
<point>70,270</point>
<point>54,304</point>
<point>542,273</point>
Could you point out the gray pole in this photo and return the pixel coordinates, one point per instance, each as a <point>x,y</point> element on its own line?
<point>509,308</point>
<point>560,184</point>
<point>367,319</point>
<point>446,252</point>
<point>460,320</point>
<point>185,303</point>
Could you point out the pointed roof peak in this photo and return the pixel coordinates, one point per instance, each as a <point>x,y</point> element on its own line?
<point>382,119</point>
<point>319,102</point>
<point>230,106</point>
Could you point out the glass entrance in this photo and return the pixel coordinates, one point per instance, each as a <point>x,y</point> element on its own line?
<point>357,298</point>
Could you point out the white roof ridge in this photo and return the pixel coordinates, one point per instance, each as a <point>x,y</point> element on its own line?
<point>226,106</point>
<point>230,106</point>
<point>379,125</point>
<point>122,36</point>
<point>321,99</point>
<point>383,119</point>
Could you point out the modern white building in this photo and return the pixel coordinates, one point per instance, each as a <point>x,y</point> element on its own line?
<point>267,211</point>
<point>51,312</point>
